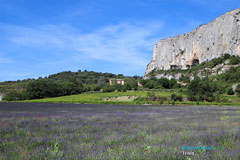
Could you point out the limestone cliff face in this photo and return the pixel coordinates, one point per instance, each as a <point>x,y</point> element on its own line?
<point>209,41</point>
<point>1,96</point>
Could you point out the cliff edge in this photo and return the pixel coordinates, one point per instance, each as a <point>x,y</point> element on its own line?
<point>206,42</point>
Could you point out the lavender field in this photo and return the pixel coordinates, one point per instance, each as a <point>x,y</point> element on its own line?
<point>84,131</point>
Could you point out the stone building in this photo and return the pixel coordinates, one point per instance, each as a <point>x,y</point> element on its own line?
<point>116,81</point>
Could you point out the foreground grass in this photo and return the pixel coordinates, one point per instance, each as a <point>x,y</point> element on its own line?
<point>111,132</point>
<point>98,98</point>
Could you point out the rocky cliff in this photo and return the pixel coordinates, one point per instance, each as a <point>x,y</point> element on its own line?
<point>1,96</point>
<point>209,41</point>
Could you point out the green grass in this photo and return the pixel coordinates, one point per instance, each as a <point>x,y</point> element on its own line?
<point>97,98</point>
<point>87,97</point>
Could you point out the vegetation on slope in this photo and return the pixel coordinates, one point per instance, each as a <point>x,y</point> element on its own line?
<point>64,83</point>
<point>207,82</point>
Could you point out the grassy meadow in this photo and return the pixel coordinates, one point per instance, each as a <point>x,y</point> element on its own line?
<point>113,132</point>
<point>97,98</point>
<point>141,97</point>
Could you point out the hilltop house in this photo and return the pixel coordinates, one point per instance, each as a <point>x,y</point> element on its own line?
<point>116,81</point>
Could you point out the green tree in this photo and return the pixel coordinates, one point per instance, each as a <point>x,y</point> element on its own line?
<point>230,91</point>
<point>108,88</point>
<point>164,82</point>
<point>234,60</point>
<point>102,82</point>
<point>151,84</point>
<point>131,83</point>
<point>238,90</point>
<point>12,96</point>
<point>95,87</point>
<point>202,90</point>
<point>173,84</point>
<point>176,97</point>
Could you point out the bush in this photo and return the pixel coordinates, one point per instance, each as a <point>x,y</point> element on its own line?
<point>132,83</point>
<point>95,87</point>
<point>176,97</point>
<point>118,87</point>
<point>16,96</point>
<point>202,90</point>
<point>108,88</point>
<point>12,96</point>
<point>184,78</point>
<point>230,91</point>
<point>164,82</point>
<point>172,83</point>
<point>238,90</point>
<point>151,84</point>
<point>216,61</point>
<point>232,75</point>
<point>234,60</point>
<point>226,56</point>
<point>151,94</point>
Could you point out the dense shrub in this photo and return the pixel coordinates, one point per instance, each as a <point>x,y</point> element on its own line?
<point>230,91</point>
<point>131,84</point>
<point>151,84</point>
<point>176,97</point>
<point>173,84</point>
<point>234,60</point>
<point>226,56</point>
<point>238,90</point>
<point>216,61</point>
<point>95,87</point>
<point>184,78</point>
<point>202,90</point>
<point>160,83</point>
<point>164,82</point>
<point>232,75</point>
<point>151,94</point>
<point>13,96</point>
<point>42,88</point>
<point>108,88</point>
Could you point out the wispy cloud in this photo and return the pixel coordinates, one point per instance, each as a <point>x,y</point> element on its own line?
<point>123,43</point>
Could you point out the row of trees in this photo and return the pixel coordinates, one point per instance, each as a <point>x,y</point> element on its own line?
<point>45,88</point>
<point>155,83</point>
<point>203,90</point>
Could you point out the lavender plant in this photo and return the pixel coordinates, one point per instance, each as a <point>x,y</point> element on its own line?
<point>82,131</point>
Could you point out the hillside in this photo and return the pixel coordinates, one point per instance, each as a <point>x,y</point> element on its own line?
<point>208,81</point>
<point>60,84</point>
<point>225,69</point>
<point>213,81</point>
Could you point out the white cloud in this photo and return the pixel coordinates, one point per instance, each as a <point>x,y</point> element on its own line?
<point>123,43</point>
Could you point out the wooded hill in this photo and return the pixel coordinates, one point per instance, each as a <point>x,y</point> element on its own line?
<point>60,84</point>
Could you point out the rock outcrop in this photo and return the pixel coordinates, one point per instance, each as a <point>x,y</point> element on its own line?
<point>209,41</point>
<point>1,96</point>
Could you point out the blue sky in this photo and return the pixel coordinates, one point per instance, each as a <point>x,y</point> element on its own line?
<point>43,37</point>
